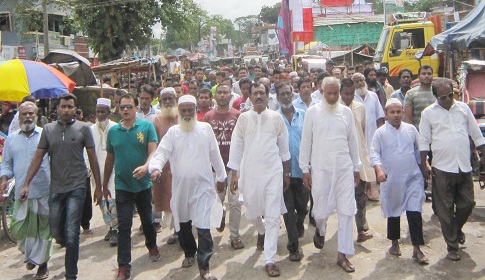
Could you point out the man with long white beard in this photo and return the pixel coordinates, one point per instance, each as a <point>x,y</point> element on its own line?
<point>329,159</point>
<point>260,152</point>
<point>192,150</point>
<point>162,189</point>
<point>374,118</point>
<point>100,134</point>
<point>29,224</point>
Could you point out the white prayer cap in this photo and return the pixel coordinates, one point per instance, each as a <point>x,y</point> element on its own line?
<point>187,99</point>
<point>167,90</point>
<point>104,102</point>
<point>393,101</point>
<point>293,74</point>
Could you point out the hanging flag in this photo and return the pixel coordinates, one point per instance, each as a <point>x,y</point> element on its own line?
<point>284,28</point>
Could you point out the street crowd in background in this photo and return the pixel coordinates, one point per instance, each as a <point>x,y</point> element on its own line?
<point>312,142</point>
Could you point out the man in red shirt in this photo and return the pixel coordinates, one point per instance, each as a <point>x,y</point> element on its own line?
<point>244,85</point>
<point>223,120</point>
<point>204,102</point>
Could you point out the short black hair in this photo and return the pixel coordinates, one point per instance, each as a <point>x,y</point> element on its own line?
<point>199,69</point>
<point>368,70</point>
<point>382,72</point>
<point>228,79</point>
<point>425,67</point>
<point>404,71</point>
<point>67,97</point>
<point>130,96</point>
<point>241,68</point>
<point>148,89</point>
<point>244,81</point>
<point>280,86</point>
<point>350,68</point>
<point>303,80</point>
<point>347,82</point>
<point>276,71</point>
<point>204,90</point>
<point>322,76</point>
<point>258,84</point>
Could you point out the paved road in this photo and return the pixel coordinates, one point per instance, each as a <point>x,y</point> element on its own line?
<point>98,260</point>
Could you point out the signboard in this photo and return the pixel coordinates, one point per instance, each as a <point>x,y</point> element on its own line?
<point>22,52</point>
<point>9,52</point>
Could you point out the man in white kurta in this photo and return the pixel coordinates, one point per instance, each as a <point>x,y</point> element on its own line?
<point>100,134</point>
<point>259,145</point>
<point>193,151</point>
<point>329,150</point>
<point>395,158</point>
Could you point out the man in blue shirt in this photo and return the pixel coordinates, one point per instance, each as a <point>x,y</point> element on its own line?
<point>296,195</point>
<point>30,219</point>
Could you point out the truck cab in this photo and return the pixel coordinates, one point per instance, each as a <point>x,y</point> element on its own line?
<point>401,39</point>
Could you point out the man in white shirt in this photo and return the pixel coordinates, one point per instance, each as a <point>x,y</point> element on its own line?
<point>145,98</point>
<point>318,94</point>
<point>447,126</point>
<point>260,152</point>
<point>374,118</point>
<point>329,150</point>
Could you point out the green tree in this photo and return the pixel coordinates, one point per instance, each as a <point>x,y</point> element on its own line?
<point>244,27</point>
<point>113,27</point>
<point>269,14</point>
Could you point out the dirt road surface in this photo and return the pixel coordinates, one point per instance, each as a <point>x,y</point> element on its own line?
<point>98,259</point>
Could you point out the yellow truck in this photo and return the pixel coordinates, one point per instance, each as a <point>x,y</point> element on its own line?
<point>404,35</point>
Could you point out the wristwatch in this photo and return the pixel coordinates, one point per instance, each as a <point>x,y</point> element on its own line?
<point>287,174</point>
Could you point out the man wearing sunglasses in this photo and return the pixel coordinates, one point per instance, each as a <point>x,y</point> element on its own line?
<point>447,125</point>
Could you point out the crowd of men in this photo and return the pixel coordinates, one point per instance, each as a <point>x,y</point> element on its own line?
<point>307,143</point>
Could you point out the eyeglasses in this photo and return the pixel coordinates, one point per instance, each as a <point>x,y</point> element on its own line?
<point>444,97</point>
<point>125,107</point>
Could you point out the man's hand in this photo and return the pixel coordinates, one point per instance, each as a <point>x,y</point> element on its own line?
<point>98,196</point>
<point>286,182</point>
<point>3,186</point>
<point>234,182</point>
<point>24,193</point>
<point>155,175</point>
<point>140,172</point>
<point>307,180</point>
<point>426,170</point>
<point>381,176</point>
<point>107,194</point>
<point>356,179</point>
<point>221,186</point>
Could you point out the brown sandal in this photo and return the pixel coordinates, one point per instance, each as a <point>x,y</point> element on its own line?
<point>346,265</point>
<point>272,270</point>
<point>236,243</point>
<point>188,262</point>
<point>420,258</point>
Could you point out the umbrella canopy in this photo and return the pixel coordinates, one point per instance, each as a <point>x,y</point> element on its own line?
<point>82,75</point>
<point>19,78</point>
<point>197,56</point>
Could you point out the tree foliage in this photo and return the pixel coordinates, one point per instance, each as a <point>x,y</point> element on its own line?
<point>269,14</point>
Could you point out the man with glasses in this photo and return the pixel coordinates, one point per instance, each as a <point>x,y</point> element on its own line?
<point>129,147</point>
<point>446,127</point>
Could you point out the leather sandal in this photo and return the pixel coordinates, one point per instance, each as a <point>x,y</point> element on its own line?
<point>272,270</point>
<point>236,243</point>
<point>453,256</point>
<point>318,241</point>
<point>346,265</point>
<point>420,258</point>
<point>188,262</point>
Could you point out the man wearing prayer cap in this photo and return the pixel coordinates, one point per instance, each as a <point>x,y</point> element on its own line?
<point>193,151</point>
<point>395,158</point>
<point>162,189</point>
<point>100,134</point>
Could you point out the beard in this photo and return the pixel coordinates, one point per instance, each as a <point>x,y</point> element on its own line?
<point>103,124</point>
<point>27,126</point>
<point>286,106</point>
<point>168,112</point>
<point>189,125</point>
<point>330,107</point>
<point>361,91</point>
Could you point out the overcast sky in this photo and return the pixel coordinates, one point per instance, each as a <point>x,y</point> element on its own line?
<point>230,9</point>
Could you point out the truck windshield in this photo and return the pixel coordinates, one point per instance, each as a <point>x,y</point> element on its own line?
<point>381,46</point>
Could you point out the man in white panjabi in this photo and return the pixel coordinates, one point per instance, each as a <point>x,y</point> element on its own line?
<point>193,151</point>
<point>259,146</point>
<point>329,159</point>
<point>395,157</point>
<point>100,134</point>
